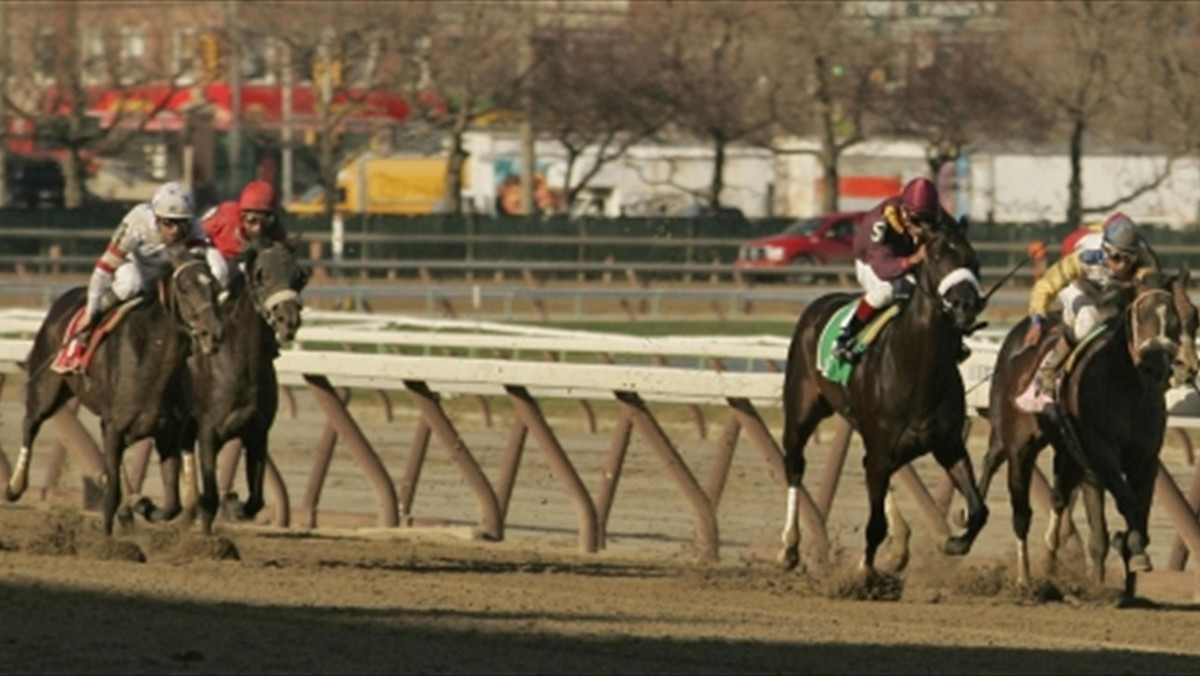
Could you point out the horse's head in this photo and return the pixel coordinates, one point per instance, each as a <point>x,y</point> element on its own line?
<point>1154,326</point>
<point>1187,363</point>
<point>951,273</point>
<point>192,297</point>
<point>276,280</point>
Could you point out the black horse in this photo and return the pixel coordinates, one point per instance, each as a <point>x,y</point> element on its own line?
<point>1114,410</point>
<point>235,390</point>
<point>904,398</point>
<point>136,381</point>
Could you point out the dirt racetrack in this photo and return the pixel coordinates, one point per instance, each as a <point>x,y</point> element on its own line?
<point>432,601</point>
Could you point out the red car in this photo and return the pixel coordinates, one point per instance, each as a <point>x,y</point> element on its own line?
<point>810,241</point>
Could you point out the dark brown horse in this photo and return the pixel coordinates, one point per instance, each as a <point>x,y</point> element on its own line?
<point>905,397</point>
<point>136,381</point>
<point>1113,404</point>
<point>236,392</point>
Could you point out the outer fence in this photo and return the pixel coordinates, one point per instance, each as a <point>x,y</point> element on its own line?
<point>740,374</point>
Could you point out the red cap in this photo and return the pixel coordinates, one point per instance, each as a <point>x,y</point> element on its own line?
<point>257,196</point>
<point>921,197</point>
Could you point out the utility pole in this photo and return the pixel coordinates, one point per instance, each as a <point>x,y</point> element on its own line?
<point>3,101</point>
<point>235,96</point>
<point>285,132</point>
<point>525,58</point>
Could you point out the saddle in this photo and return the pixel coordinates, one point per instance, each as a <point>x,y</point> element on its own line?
<point>837,370</point>
<point>74,359</point>
<point>1067,367</point>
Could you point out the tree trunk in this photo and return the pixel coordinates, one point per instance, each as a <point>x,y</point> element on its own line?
<point>830,153</point>
<point>458,156</point>
<point>1075,186</point>
<point>829,164</point>
<point>718,177</point>
<point>74,177</point>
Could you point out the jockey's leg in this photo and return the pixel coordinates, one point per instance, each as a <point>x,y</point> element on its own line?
<point>877,295</point>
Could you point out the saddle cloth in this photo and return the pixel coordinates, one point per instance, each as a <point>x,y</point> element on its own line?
<point>830,366</point>
<point>73,357</point>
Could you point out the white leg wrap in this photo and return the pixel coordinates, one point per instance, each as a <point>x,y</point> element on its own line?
<point>793,511</point>
<point>20,475</point>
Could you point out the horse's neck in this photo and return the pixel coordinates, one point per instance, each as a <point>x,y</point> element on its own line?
<point>244,327</point>
<point>922,334</point>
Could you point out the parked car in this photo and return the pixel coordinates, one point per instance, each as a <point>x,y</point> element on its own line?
<point>810,241</point>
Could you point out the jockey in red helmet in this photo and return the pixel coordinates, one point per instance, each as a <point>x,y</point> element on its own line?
<point>231,224</point>
<point>888,243</point>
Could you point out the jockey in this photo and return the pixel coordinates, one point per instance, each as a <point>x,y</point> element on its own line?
<point>888,243</point>
<point>1118,253</point>
<point>134,259</point>
<point>231,224</point>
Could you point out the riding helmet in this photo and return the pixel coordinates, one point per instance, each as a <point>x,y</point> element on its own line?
<point>920,196</point>
<point>257,196</point>
<point>1121,234</point>
<point>173,201</point>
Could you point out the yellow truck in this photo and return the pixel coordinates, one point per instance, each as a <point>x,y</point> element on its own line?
<point>406,185</point>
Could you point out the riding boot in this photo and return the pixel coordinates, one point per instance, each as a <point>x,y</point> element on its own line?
<point>843,347</point>
<point>1041,391</point>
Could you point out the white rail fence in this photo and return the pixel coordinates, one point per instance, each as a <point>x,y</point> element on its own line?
<point>337,351</point>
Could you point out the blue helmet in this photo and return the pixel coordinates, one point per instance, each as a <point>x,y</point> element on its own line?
<point>1121,234</point>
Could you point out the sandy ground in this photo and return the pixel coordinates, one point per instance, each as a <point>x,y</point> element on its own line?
<point>258,599</point>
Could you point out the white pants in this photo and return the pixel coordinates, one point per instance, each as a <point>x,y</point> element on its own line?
<point>878,292</point>
<point>1080,313</point>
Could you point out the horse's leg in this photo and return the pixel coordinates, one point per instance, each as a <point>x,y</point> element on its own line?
<point>114,449</point>
<point>800,421</point>
<point>209,499</point>
<point>1097,547</point>
<point>997,453</point>
<point>1020,471</point>
<point>43,398</point>
<point>167,444</point>
<point>1067,475</point>
<point>953,458</point>
<point>1105,456</point>
<point>879,474</point>
<point>255,443</point>
<point>1141,480</point>
<point>187,449</point>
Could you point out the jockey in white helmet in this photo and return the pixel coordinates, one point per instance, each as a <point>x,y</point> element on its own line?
<point>135,258</point>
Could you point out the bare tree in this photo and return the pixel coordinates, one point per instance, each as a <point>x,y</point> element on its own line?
<point>463,65</point>
<point>592,93</point>
<point>712,73</point>
<point>832,76</point>
<point>957,93</point>
<point>77,54</point>
<point>346,51</point>
<point>1079,60</point>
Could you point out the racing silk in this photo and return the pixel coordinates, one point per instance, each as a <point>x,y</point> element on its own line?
<point>1087,261</point>
<point>881,243</point>
<point>137,241</point>
<point>223,225</point>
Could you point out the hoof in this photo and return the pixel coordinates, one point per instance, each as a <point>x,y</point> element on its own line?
<point>789,559</point>
<point>10,495</point>
<point>145,507</point>
<point>956,546</point>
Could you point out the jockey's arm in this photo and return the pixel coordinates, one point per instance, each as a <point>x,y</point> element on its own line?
<point>123,241</point>
<point>1061,274</point>
<point>198,241</point>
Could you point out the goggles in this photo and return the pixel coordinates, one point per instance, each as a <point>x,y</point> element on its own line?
<point>174,222</point>
<point>256,217</point>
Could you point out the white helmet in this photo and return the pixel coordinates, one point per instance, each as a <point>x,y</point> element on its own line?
<point>172,200</point>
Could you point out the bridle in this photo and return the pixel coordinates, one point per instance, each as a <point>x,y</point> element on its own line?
<point>172,297</point>
<point>1161,340</point>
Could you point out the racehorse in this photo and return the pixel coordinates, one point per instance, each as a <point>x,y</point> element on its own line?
<point>904,398</point>
<point>134,383</point>
<point>1107,429</point>
<point>235,390</point>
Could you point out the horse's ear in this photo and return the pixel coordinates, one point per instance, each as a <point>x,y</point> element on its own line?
<point>1185,274</point>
